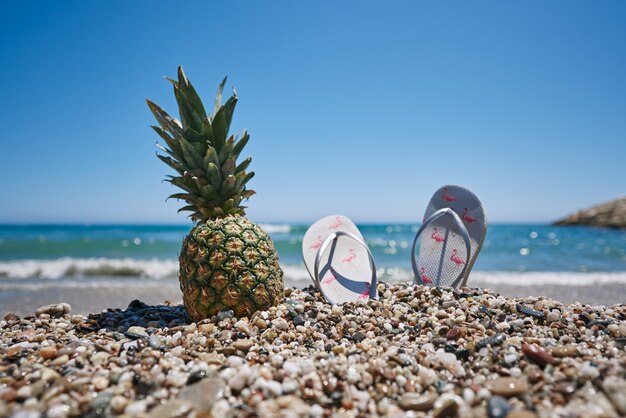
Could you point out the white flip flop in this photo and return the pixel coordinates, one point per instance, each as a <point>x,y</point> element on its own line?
<point>338,260</point>
<point>451,236</point>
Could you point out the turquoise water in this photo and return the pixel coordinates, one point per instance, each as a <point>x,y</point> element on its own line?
<point>150,251</point>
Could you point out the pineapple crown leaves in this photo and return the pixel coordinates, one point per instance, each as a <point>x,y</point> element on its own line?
<point>202,153</point>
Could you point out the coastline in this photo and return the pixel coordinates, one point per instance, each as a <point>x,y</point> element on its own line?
<point>22,297</point>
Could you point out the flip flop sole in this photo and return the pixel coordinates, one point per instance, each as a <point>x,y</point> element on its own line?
<point>345,269</point>
<point>443,250</point>
<point>471,213</point>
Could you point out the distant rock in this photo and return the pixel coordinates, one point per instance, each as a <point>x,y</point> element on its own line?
<point>608,215</point>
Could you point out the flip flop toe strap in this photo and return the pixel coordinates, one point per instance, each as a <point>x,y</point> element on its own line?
<point>326,244</point>
<point>464,234</point>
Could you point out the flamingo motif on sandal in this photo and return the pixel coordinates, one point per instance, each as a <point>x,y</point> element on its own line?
<point>350,256</point>
<point>329,279</point>
<point>425,278</point>
<point>447,196</point>
<point>454,257</point>
<point>336,224</point>
<point>364,294</point>
<point>468,218</point>
<point>436,236</point>
<point>317,244</point>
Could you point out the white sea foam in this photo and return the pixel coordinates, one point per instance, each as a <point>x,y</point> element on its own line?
<point>80,267</point>
<point>297,275</point>
<point>276,228</point>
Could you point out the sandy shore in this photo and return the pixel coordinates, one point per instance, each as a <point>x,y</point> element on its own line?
<point>24,299</point>
<point>415,352</point>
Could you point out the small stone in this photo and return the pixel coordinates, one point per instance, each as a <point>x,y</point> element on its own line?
<point>24,392</point>
<point>564,351</point>
<point>203,395</point>
<point>523,309</point>
<point>273,388</point>
<point>427,376</point>
<point>259,322</point>
<point>118,403</point>
<point>136,408</point>
<point>412,401</point>
<point>566,388</point>
<point>54,310</point>
<point>615,390</point>
<point>14,351</point>
<point>174,408</point>
<point>298,320</point>
<point>243,344</point>
<point>61,360</point>
<point>508,386</point>
<point>137,331</point>
<point>497,407</point>
<point>537,354</point>
<point>447,409</point>
<point>99,358</point>
<point>453,334</point>
<point>48,352</point>
<point>358,336</point>
<point>280,324</point>
<point>100,383</point>
<point>222,315</point>
<point>154,341</point>
<point>493,341</point>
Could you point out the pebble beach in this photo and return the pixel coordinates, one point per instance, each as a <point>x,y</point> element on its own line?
<point>414,352</point>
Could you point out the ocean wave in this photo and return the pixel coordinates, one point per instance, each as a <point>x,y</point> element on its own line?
<point>89,267</point>
<point>276,228</point>
<point>298,274</point>
<point>294,274</point>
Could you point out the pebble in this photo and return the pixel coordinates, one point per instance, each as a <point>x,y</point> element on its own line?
<point>243,345</point>
<point>54,310</point>
<point>137,330</point>
<point>47,353</point>
<point>417,401</point>
<point>615,390</point>
<point>204,394</point>
<point>537,354</point>
<point>497,407</point>
<point>416,352</point>
<point>136,408</point>
<point>564,351</point>
<point>174,408</point>
<point>508,386</point>
<point>280,324</point>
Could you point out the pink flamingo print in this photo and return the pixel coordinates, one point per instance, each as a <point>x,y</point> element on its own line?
<point>335,225</point>
<point>447,196</point>
<point>329,279</point>
<point>436,236</point>
<point>469,219</point>
<point>365,294</point>
<point>425,278</point>
<point>458,260</point>
<point>317,244</point>
<point>350,257</point>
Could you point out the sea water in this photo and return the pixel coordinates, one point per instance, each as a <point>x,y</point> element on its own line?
<point>519,254</point>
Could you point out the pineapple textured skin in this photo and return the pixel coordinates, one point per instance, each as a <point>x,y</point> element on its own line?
<point>229,263</point>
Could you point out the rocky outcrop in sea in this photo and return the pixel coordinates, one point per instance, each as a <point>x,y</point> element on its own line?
<point>607,215</point>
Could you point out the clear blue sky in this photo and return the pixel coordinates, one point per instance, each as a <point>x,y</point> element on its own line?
<point>355,107</point>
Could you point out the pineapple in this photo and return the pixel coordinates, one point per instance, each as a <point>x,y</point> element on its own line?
<point>226,261</point>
